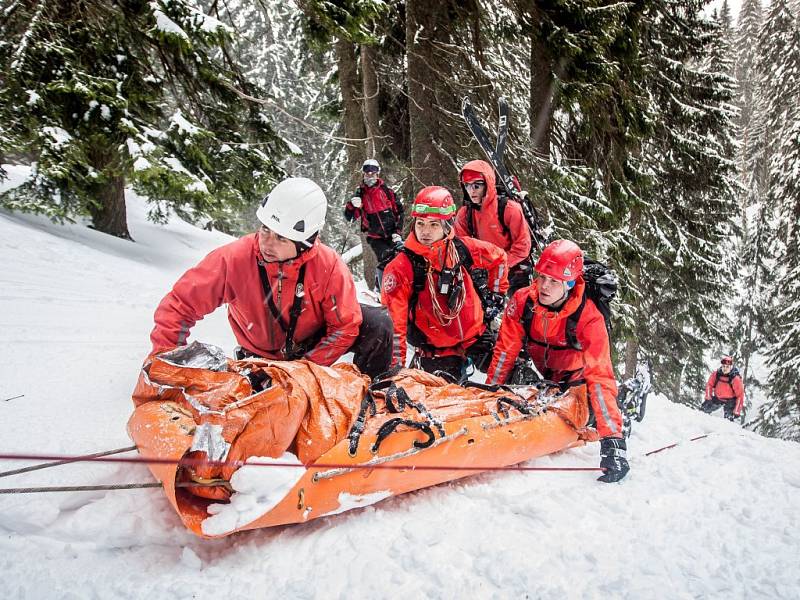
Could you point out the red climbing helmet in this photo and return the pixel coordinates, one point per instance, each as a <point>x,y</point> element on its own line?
<point>434,202</point>
<point>562,260</point>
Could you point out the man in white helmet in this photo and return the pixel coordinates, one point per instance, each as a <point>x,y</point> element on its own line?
<point>379,211</point>
<point>289,296</point>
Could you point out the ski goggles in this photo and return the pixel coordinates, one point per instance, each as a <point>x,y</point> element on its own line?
<point>727,361</point>
<point>475,185</point>
<point>370,169</point>
<point>424,210</point>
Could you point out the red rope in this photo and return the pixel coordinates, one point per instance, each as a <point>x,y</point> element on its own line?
<point>186,461</point>
<point>694,439</point>
<point>239,463</point>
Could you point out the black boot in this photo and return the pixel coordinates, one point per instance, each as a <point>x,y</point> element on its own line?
<point>613,460</point>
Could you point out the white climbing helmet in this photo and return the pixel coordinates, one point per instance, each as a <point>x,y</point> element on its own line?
<point>294,209</point>
<point>370,165</point>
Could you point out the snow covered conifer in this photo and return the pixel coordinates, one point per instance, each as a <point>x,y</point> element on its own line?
<point>102,94</point>
<point>690,202</point>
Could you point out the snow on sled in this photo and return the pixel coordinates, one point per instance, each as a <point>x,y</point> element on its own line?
<point>321,440</point>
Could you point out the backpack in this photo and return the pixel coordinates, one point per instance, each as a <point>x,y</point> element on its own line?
<point>600,288</point>
<point>730,377</point>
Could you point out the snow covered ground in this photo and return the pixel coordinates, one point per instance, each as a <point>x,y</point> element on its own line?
<point>713,518</point>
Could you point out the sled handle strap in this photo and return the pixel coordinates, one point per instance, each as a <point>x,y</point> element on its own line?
<point>367,404</point>
<point>391,426</point>
<point>520,406</point>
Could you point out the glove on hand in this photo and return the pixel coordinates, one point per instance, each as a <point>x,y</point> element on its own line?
<point>355,201</point>
<point>396,238</point>
<point>612,460</point>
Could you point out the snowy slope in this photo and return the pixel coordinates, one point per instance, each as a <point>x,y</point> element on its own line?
<point>714,518</point>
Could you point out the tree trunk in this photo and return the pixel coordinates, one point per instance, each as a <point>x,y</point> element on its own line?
<point>542,88</point>
<point>353,124</point>
<point>110,215</point>
<point>370,104</point>
<point>427,110</point>
<point>109,212</point>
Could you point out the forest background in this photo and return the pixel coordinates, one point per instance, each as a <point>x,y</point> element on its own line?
<point>662,135</point>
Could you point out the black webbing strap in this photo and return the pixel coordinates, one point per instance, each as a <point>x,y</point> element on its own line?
<point>294,311</point>
<point>570,329</point>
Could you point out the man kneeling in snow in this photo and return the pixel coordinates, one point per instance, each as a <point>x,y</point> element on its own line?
<point>289,296</point>
<point>569,354</point>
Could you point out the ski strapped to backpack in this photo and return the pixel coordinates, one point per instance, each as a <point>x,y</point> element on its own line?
<point>509,187</point>
<point>420,269</point>
<point>600,287</point>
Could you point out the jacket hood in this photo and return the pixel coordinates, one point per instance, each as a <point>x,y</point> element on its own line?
<point>484,168</point>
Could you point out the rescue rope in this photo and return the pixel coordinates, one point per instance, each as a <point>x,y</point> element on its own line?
<point>99,488</point>
<point>694,439</point>
<point>65,461</point>
<point>333,469</point>
<point>445,317</point>
<point>188,461</point>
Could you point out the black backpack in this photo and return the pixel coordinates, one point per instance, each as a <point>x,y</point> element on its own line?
<point>601,288</point>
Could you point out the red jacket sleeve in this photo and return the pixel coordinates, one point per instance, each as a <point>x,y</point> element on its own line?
<point>395,295</point>
<point>509,340</point>
<point>601,385</point>
<point>487,256</point>
<point>520,234</point>
<point>196,294</point>
<point>342,317</point>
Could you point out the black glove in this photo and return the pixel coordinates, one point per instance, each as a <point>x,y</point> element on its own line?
<point>612,460</point>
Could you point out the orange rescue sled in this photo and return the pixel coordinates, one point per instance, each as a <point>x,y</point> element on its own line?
<point>203,415</point>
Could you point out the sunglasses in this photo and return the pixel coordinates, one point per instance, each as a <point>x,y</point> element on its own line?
<point>475,185</point>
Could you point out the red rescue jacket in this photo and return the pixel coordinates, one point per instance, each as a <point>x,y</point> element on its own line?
<point>726,387</point>
<point>381,213</point>
<point>230,275</point>
<point>486,224</point>
<point>398,285</point>
<point>558,362</point>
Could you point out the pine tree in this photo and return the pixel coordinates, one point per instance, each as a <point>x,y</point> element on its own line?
<point>130,92</point>
<point>689,204</point>
<point>780,70</point>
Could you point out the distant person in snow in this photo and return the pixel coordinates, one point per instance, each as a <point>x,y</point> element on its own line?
<point>492,218</point>
<point>725,388</point>
<point>441,290</point>
<point>288,295</point>
<point>379,210</point>
<point>566,337</point>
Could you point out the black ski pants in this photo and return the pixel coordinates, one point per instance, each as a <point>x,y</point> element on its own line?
<point>709,406</point>
<point>373,347</point>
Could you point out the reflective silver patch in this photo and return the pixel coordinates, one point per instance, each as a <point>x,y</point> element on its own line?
<point>208,438</point>
<point>604,408</point>
<point>499,368</point>
<point>197,356</point>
